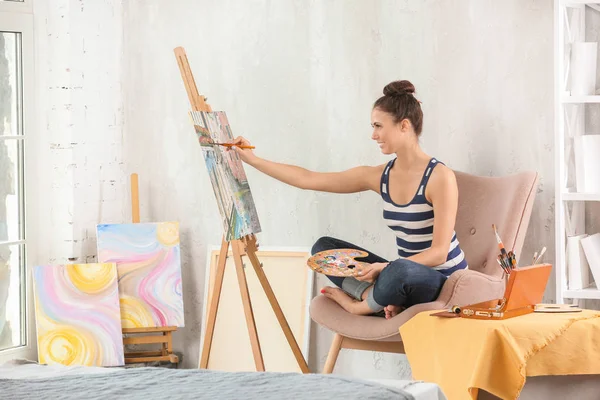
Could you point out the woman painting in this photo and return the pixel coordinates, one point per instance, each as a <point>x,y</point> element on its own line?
<point>414,188</point>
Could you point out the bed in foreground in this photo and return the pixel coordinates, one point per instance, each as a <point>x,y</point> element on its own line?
<point>33,381</point>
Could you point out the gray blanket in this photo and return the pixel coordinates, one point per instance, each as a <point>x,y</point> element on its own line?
<point>163,383</point>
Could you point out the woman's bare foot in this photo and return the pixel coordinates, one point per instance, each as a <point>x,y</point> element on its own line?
<point>348,303</point>
<point>392,311</point>
<point>340,297</point>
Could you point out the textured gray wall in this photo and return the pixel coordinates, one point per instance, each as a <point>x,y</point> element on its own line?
<point>298,79</point>
<point>78,154</point>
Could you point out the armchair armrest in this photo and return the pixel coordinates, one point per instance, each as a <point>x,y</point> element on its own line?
<point>462,288</point>
<point>466,287</point>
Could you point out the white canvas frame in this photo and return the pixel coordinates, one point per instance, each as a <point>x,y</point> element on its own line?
<point>310,281</point>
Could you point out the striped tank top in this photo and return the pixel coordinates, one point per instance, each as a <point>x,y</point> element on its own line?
<point>413,222</point>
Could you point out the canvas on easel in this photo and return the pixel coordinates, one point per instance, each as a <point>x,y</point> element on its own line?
<point>227,175</point>
<point>237,214</point>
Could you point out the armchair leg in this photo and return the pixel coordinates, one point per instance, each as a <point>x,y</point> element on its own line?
<point>334,350</point>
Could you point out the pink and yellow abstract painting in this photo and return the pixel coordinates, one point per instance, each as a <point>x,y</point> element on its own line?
<point>149,268</point>
<point>77,315</point>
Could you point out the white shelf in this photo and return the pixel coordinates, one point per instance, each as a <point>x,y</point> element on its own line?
<point>570,210</point>
<point>567,2</point>
<point>588,293</point>
<point>581,196</point>
<point>580,99</point>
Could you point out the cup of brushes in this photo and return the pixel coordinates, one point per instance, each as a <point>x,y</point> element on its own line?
<point>508,260</point>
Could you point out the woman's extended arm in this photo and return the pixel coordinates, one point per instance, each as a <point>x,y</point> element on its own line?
<point>353,180</point>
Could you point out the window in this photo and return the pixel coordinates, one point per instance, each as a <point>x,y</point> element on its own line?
<point>16,6</point>
<point>12,291</point>
<point>16,75</point>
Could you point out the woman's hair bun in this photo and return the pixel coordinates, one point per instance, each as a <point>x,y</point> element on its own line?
<point>398,88</point>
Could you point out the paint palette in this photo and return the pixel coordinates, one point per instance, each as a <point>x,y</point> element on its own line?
<point>338,262</point>
<point>557,308</point>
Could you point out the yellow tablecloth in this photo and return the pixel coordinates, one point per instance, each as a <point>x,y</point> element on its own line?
<point>463,355</point>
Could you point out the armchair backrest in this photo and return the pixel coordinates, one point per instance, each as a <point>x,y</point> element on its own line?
<point>482,201</point>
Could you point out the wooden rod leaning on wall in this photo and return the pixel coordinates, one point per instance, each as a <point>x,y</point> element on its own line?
<point>135,199</point>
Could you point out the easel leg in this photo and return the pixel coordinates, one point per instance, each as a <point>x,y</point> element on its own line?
<point>287,331</point>
<point>239,267</point>
<point>214,304</point>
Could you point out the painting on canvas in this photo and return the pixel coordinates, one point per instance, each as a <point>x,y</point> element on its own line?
<point>226,171</point>
<point>149,268</point>
<point>77,315</point>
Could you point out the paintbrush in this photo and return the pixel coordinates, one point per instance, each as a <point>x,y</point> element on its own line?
<point>233,144</point>
<point>539,257</point>
<point>230,145</point>
<point>506,270</point>
<point>500,244</point>
<point>513,259</point>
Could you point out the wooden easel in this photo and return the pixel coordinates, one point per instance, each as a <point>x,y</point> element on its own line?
<point>246,246</point>
<point>160,335</point>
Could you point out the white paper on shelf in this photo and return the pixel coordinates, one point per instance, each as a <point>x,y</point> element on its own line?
<point>575,128</point>
<point>578,268</point>
<point>579,166</point>
<point>591,247</point>
<point>583,68</point>
<point>587,153</point>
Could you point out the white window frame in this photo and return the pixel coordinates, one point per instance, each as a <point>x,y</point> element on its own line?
<point>21,7</point>
<point>18,17</point>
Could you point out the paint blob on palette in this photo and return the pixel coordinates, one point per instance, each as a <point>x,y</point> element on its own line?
<point>77,315</point>
<point>338,262</point>
<point>149,268</point>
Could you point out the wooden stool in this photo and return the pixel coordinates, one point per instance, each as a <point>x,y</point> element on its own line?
<point>160,335</point>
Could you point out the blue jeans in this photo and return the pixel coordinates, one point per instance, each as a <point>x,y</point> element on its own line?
<point>401,283</point>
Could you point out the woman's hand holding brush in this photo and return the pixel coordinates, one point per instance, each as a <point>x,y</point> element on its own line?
<point>242,147</point>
